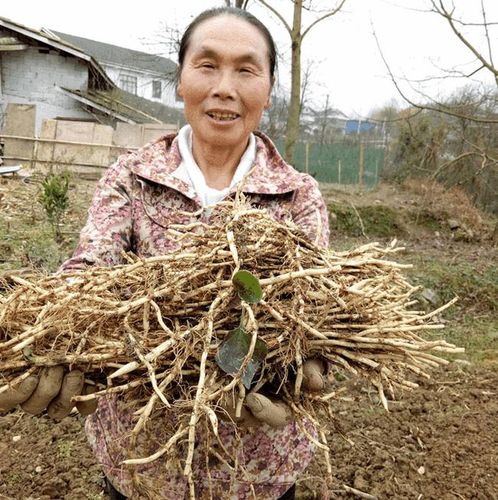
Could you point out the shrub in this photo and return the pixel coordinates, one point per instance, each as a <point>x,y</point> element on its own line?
<point>54,199</point>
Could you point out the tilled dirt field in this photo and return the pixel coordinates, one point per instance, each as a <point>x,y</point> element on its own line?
<point>439,442</point>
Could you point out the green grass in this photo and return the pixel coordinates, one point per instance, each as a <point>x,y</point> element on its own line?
<point>472,322</point>
<point>476,287</point>
<point>31,245</point>
<point>64,449</point>
<point>377,221</point>
<point>479,337</point>
<point>380,221</point>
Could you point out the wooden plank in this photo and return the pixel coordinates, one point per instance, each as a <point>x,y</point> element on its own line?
<point>18,46</point>
<point>10,169</point>
<point>19,120</point>
<point>76,143</point>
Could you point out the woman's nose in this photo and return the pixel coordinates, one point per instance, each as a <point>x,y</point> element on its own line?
<point>224,85</point>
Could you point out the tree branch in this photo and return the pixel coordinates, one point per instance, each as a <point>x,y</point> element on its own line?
<point>316,21</point>
<point>424,106</point>
<point>275,11</point>
<point>442,11</point>
<point>486,30</point>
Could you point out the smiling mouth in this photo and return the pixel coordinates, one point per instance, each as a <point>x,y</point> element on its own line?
<point>222,117</point>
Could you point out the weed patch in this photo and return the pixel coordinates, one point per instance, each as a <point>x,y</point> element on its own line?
<point>479,337</point>
<point>378,221</point>
<point>477,288</point>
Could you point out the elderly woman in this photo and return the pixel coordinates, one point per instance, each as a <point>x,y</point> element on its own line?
<point>226,71</point>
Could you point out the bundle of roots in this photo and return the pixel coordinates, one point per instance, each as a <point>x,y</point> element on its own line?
<point>152,327</point>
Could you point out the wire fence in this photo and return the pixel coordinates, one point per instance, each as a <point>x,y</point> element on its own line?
<point>340,163</point>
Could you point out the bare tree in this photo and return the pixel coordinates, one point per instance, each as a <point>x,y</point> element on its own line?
<point>484,59</point>
<point>297,33</point>
<point>275,117</point>
<point>454,140</point>
<point>240,4</point>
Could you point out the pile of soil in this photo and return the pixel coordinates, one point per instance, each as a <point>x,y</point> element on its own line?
<point>439,442</point>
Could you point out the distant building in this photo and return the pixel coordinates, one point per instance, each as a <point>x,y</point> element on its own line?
<point>359,126</point>
<point>63,81</point>
<point>145,75</point>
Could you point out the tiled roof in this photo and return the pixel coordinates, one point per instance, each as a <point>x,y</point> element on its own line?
<point>107,53</point>
<point>44,37</point>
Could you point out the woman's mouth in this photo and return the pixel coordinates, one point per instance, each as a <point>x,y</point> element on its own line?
<point>222,116</point>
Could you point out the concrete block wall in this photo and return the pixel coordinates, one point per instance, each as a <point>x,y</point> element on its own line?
<point>31,76</point>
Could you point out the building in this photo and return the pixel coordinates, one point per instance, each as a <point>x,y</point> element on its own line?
<point>62,81</point>
<point>145,75</point>
<point>360,127</point>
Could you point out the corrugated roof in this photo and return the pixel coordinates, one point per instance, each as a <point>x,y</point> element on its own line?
<point>113,54</point>
<point>128,107</point>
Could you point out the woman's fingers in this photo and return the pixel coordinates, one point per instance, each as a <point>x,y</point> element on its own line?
<point>48,387</point>
<point>61,405</point>
<point>18,394</point>
<point>86,408</point>
<point>314,375</point>
<point>274,413</point>
<point>246,419</point>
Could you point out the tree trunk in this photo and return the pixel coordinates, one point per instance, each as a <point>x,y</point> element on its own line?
<point>292,132</point>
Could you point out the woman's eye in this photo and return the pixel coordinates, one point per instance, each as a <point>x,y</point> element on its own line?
<point>245,70</point>
<point>208,65</point>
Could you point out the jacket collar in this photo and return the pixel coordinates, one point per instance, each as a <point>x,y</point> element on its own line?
<point>270,174</point>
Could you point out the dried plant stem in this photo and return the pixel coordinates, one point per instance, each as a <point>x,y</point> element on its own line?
<point>151,328</point>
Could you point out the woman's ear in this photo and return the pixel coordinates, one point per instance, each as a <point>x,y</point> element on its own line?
<point>268,101</point>
<point>179,89</point>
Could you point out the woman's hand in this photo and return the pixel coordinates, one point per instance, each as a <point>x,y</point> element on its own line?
<point>259,408</point>
<point>315,375</point>
<point>52,390</point>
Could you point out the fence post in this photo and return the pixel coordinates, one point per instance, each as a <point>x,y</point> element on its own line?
<point>339,171</point>
<point>361,166</point>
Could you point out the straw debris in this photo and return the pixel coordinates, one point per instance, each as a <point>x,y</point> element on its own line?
<point>149,330</point>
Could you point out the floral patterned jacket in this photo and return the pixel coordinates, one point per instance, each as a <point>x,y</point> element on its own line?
<point>134,203</point>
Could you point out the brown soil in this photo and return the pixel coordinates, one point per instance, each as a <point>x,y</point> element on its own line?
<point>438,442</point>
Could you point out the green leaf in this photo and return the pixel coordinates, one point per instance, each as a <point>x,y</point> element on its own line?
<point>233,350</point>
<point>28,353</point>
<point>247,286</point>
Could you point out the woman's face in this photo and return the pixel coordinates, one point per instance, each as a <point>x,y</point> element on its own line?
<point>225,81</point>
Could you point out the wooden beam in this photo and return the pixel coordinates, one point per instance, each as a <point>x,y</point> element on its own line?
<point>93,104</point>
<point>19,46</point>
<point>58,162</point>
<point>58,141</point>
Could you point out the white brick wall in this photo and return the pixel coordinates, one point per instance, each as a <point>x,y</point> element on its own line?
<point>144,84</point>
<point>30,76</point>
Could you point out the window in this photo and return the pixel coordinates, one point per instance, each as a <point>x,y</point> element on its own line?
<point>128,83</point>
<point>157,89</point>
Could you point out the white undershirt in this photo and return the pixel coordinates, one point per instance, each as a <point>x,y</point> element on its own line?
<point>189,171</point>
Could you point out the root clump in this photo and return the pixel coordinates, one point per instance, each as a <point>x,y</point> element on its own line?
<point>149,330</point>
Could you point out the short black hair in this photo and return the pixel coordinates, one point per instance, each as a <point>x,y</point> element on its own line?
<point>229,11</point>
